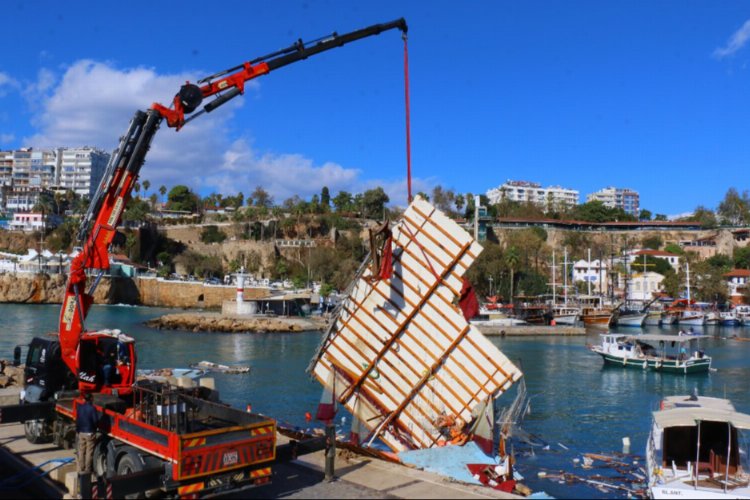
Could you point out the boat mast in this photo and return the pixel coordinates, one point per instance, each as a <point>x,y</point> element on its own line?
<point>554,284</point>
<point>565,275</point>
<point>687,265</point>
<point>588,277</point>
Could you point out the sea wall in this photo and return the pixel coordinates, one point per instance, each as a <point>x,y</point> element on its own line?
<point>25,288</point>
<point>164,293</point>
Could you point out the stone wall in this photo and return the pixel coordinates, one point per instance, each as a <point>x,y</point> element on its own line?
<point>163,293</point>
<point>49,289</point>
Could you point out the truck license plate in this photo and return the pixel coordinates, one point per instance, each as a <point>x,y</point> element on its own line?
<point>230,458</point>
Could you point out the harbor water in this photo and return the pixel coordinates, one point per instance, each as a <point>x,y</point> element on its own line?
<point>577,405</point>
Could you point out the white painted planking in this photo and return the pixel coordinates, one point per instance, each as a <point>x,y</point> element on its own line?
<point>429,368</point>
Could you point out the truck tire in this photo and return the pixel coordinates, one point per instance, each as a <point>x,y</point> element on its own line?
<point>36,431</point>
<point>100,459</point>
<point>129,463</point>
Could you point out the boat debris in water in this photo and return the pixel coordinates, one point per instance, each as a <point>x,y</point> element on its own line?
<point>215,367</point>
<point>400,354</point>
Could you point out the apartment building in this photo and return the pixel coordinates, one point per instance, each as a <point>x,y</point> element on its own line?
<point>81,169</point>
<point>612,197</point>
<point>551,197</point>
<point>27,172</point>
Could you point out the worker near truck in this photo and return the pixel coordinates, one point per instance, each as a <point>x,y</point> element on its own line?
<point>87,421</point>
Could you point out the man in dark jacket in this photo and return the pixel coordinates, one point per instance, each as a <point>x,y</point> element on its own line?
<point>87,421</point>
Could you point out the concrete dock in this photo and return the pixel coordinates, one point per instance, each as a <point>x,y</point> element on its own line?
<point>531,330</point>
<point>356,476</point>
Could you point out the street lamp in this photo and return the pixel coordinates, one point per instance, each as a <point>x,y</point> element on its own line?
<point>489,278</point>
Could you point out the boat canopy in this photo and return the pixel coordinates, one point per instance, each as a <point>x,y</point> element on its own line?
<point>690,416</point>
<point>657,337</point>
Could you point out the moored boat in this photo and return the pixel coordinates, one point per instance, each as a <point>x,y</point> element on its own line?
<point>663,353</point>
<point>566,315</point>
<point>653,318</point>
<point>693,449</point>
<point>728,318</point>
<point>631,318</point>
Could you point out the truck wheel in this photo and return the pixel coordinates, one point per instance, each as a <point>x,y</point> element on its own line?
<point>129,463</point>
<point>100,459</point>
<point>36,431</point>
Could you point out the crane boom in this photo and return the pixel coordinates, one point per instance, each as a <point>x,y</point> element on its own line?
<point>99,225</point>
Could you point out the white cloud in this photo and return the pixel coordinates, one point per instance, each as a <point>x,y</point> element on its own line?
<point>6,83</point>
<point>92,102</point>
<point>735,43</point>
<point>6,138</point>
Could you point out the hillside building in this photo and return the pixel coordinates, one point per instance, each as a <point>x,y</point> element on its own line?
<point>552,197</point>
<point>623,198</point>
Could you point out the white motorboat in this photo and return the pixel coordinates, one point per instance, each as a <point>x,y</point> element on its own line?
<point>631,318</point>
<point>693,450</point>
<point>566,315</point>
<point>662,353</point>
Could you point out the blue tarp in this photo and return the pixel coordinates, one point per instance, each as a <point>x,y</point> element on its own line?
<point>449,461</point>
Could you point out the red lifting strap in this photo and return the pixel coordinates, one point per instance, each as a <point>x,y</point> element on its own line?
<point>408,133</point>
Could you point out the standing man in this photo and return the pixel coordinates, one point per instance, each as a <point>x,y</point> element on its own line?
<point>87,420</point>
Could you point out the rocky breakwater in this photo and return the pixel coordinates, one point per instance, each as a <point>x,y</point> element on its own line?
<point>217,322</point>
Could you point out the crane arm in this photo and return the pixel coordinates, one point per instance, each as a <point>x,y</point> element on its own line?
<point>99,225</point>
<point>230,83</point>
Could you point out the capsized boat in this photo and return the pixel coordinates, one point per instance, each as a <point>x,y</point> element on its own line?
<point>693,450</point>
<point>664,353</point>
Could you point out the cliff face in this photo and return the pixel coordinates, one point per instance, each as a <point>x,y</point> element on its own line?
<point>49,289</point>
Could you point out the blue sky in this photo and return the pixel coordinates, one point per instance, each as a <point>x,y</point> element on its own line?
<point>585,94</point>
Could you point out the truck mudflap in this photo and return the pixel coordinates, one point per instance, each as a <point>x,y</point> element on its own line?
<point>235,480</point>
<point>215,452</point>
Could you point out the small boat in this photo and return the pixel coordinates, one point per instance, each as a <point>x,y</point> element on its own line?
<point>742,312</point>
<point>496,321</point>
<point>728,318</point>
<point>566,315</point>
<point>693,449</point>
<point>215,367</point>
<point>631,318</point>
<point>663,353</point>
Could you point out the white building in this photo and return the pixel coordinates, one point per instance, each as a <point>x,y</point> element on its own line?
<point>524,191</point>
<point>612,197</point>
<point>672,258</point>
<point>594,272</point>
<point>643,286</point>
<point>81,169</point>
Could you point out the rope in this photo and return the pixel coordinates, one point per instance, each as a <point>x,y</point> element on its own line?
<point>11,483</point>
<point>408,127</point>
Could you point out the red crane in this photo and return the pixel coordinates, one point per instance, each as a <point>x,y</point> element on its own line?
<point>80,348</point>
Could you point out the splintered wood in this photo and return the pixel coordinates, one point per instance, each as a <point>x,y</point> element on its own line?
<point>400,353</point>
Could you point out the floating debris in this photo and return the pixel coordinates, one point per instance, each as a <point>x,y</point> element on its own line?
<point>215,367</point>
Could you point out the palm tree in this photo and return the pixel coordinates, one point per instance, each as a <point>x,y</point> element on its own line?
<point>511,259</point>
<point>146,184</point>
<point>162,190</point>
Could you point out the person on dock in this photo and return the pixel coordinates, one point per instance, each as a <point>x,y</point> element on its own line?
<point>87,421</point>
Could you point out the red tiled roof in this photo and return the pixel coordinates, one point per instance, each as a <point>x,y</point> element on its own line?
<point>738,273</point>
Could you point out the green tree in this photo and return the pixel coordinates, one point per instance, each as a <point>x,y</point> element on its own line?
<point>660,217</point>
<point>511,259</point>
<point>374,201</point>
<point>260,198</point>
<point>325,199</point>
<point>343,202</point>
<point>182,198</point>
<point>705,216</point>
<point>136,210</point>
<point>146,184</point>
<point>653,242</point>
<point>212,234</point>
<point>741,257</point>
<point>162,190</point>
<point>734,209</point>
<point>674,248</point>
<point>644,215</point>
